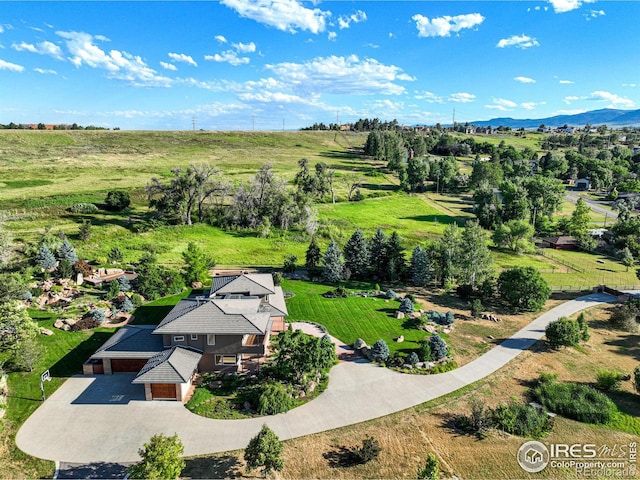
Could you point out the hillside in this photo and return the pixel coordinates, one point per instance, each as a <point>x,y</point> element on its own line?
<point>608,116</point>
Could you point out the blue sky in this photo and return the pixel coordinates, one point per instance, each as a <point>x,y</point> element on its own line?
<point>244,64</point>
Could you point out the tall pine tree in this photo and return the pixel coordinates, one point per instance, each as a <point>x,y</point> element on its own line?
<point>356,255</point>
<point>67,252</point>
<point>333,264</point>
<point>420,268</point>
<point>312,257</point>
<point>396,262</point>
<point>378,254</point>
<point>45,258</point>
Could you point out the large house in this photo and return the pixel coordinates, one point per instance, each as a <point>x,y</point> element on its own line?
<point>228,330</point>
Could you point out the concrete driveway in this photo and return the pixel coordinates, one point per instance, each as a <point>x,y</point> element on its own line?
<point>103,419</point>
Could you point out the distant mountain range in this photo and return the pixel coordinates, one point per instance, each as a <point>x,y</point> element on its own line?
<point>609,116</point>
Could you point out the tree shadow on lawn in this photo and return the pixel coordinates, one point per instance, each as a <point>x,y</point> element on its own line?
<point>226,466</point>
<point>628,346</point>
<point>98,470</point>
<point>339,154</point>
<point>71,363</point>
<point>449,423</point>
<point>390,312</point>
<point>150,314</point>
<point>342,457</point>
<point>436,218</point>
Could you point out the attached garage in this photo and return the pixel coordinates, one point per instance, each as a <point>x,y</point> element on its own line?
<point>163,391</point>
<point>127,365</point>
<point>168,375</point>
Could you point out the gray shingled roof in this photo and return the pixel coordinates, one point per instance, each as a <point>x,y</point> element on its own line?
<point>131,341</point>
<point>201,317</point>
<point>277,302</point>
<point>248,283</point>
<point>174,365</point>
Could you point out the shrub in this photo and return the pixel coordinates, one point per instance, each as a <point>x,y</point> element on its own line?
<point>411,297</point>
<point>264,450</point>
<point>369,450</point>
<point>584,328</point>
<point>339,292</point>
<point>465,290</point>
<point>84,208</point>
<point>114,289</point>
<point>449,319</point>
<point>390,294</point>
<point>380,351</point>
<point>436,316</point>
<point>289,265</point>
<point>406,306</point>
<point>117,201</point>
<point>438,347</point>
<point>136,299</point>
<point>277,278</point>
<point>85,231</point>
<point>424,352</point>
<point>273,398</point>
<point>81,266</point>
<point>412,358</point>
<point>478,421</point>
<point>65,268</point>
<point>563,332</point>
<point>126,305</point>
<point>86,323</point>
<point>625,316</point>
<point>608,380</point>
<point>476,308</point>
<point>124,284</point>
<point>98,315</point>
<point>578,402</point>
<point>431,469</point>
<point>522,420</point>
<point>115,256</point>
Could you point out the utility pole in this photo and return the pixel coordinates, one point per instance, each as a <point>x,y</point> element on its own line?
<point>453,125</point>
<point>193,122</point>
<point>283,124</point>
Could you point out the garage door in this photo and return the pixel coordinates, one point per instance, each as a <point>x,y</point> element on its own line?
<point>163,390</point>
<point>130,365</point>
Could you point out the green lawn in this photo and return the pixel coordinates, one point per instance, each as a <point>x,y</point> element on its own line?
<point>350,318</point>
<point>64,353</point>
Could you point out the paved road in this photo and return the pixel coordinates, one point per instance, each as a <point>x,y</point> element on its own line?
<point>104,419</point>
<point>595,206</point>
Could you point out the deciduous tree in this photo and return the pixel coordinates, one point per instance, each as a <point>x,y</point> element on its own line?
<point>161,459</point>
<point>523,289</point>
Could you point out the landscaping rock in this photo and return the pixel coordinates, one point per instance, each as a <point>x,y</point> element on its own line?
<point>66,328</point>
<point>400,339</point>
<point>399,315</point>
<point>430,329</point>
<point>310,387</point>
<point>407,366</point>
<point>416,314</point>
<point>59,323</point>
<point>46,331</point>
<point>359,344</point>
<point>446,330</point>
<point>196,284</point>
<point>420,365</point>
<point>70,321</point>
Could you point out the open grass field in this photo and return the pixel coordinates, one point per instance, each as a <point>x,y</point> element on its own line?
<point>407,437</point>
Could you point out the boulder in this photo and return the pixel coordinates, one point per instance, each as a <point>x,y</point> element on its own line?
<point>196,285</point>
<point>400,339</point>
<point>430,328</point>
<point>70,321</point>
<point>46,331</point>
<point>399,315</point>
<point>66,328</point>
<point>407,366</point>
<point>301,394</point>
<point>310,386</point>
<point>420,365</point>
<point>416,314</point>
<point>359,344</point>
<point>446,330</point>
<point>59,323</point>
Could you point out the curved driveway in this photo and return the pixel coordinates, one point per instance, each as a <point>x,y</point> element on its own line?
<point>85,422</point>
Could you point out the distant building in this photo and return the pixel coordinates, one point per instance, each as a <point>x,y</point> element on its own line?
<point>583,184</point>
<point>560,243</point>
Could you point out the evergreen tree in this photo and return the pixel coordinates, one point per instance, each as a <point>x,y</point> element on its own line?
<point>412,358</point>
<point>67,252</point>
<point>356,255</point>
<point>197,264</point>
<point>420,267</point>
<point>84,231</point>
<point>424,350</point>
<point>378,253</point>
<point>45,258</point>
<point>115,256</point>
<point>333,265</point>
<point>124,284</point>
<point>312,257</point>
<point>438,347</point>
<point>475,258</point>
<point>580,219</point>
<point>406,305</point>
<point>396,262</point>
<point>379,351</point>
<point>264,450</point>
<point>65,268</point>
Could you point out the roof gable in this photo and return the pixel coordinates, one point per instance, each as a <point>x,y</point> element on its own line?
<point>248,283</point>
<point>174,365</point>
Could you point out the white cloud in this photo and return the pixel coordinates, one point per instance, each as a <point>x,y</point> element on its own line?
<point>429,97</point>
<point>220,38</point>
<point>462,97</point>
<point>228,56</point>
<point>615,100</point>
<point>524,79</point>
<point>244,47</point>
<point>286,15</point>
<point>594,14</point>
<point>12,67</point>
<point>632,85</point>
<point>168,66</point>
<point>102,38</point>
<point>505,103</point>
<point>45,72</point>
<point>342,75</point>
<point>119,65</point>
<point>344,21</point>
<point>272,97</point>
<point>181,57</point>
<point>562,6</point>
<point>519,41</point>
<point>444,26</point>
<point>332,36</point>
<point>531,105</point>
<point>1,29</point>
<point>42,48</point>
<point>568,112</point>
<point>567,82</point>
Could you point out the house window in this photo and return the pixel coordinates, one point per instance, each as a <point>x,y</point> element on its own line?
<point>194,337</point>
<point>211,339</point>
<point>226,360</point>
<point>178,338</point>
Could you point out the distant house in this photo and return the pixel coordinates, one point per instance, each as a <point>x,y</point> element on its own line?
<point>582,184</point>
<point>228,330</point>
<point>560,243</point>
